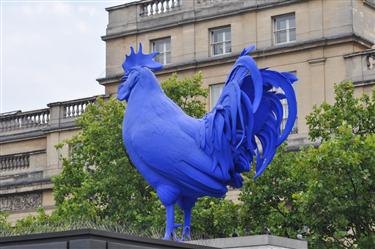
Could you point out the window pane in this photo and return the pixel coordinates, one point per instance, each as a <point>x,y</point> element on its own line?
<point>228,48</point>
<point>227,35</point>
<point>157,46</point>
<point>292,21</point>
<point>218,48</point>
<point>280,36</point>
<point>158,58</point>
<point>215,91</point>
<point>217,36</point>
<point>168,58</point>
<point>168,45</point>
<point>280,23</point>
<point>292,35</point>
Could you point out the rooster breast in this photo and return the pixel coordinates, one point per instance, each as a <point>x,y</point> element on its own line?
<point>161,140</point>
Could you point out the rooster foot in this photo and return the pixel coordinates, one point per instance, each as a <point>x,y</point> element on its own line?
<point>173,234</point>
<point>186,233</point>
<point>168,236</point>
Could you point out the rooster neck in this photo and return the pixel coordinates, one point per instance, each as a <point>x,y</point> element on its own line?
<point>146,87</point>
<point>142,94</point>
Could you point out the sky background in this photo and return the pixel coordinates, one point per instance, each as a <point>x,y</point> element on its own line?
<point>51,51</point>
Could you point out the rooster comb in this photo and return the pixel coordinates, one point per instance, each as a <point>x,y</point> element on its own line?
<point>140,59</point>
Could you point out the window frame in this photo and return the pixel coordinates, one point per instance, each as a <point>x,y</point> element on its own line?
<point>212,43</point>
<point>288,28</point>
<point>164,54</point>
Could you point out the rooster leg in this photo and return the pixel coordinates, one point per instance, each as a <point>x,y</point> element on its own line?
<point>169,196</point>
<point>186,230</point>
<point>186,204</point>
<point>169,230</point>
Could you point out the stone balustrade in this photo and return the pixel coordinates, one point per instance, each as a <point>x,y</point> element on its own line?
<point>157,7</point>
<point>76,107</point>
<point>56,114</point>
<point>22,120</point>
<point>14,162</point>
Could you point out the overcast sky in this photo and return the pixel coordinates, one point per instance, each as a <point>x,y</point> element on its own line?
<point>51,51</point>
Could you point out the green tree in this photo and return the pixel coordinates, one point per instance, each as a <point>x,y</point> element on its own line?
<point>272,202</point>
<point>98,180</point>
<point>188,93</point>
<point>325,193</point>
<point>4,225</point>
<point>359,113</point>
<point>339,202</point>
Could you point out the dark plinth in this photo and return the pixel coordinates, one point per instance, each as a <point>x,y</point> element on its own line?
<point>88,239</point>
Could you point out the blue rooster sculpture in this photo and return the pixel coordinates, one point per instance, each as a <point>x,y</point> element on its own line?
<point>184,158</point>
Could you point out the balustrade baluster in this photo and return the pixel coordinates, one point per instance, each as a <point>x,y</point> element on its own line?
<point>14,162</point>
<point>78,109</point>
<point>25,122</point>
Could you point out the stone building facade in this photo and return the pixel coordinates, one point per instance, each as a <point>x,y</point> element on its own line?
<point>322,41</point>
<point>28,157</point>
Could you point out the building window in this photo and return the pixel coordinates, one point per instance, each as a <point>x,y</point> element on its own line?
<point>220,41</point>
<point>215,92</point>
<point>163,46</point>
<point>284,28</point>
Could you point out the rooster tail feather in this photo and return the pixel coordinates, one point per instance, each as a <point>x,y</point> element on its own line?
<point>284,81</point>
<point>245,123</point>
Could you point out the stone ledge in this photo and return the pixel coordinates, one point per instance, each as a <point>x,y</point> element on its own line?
<point>255,241</point>
<point>27,185</point>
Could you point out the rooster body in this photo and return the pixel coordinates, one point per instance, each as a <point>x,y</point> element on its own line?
<point>184,158</point>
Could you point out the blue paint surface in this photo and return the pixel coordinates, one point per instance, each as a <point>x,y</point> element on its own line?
<point>184,158</point>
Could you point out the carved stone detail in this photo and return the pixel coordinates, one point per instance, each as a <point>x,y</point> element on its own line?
<point>20,201</point>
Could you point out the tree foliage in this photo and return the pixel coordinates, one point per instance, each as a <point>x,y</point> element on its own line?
<point>188,93</point>
<point>339,202</point>
<point>272,202</point>
<point>98,180</point>
<point>324,193</point>
<point>359,113</point>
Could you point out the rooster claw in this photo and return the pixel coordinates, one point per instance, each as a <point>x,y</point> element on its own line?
<point>186,234</point>
<point>168,236</point>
